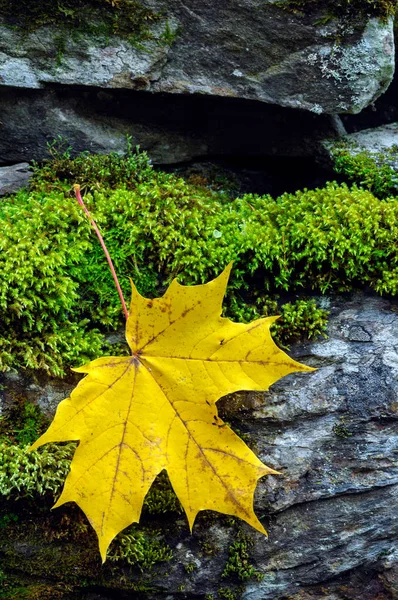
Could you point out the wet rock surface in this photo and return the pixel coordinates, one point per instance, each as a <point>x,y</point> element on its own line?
<point>14,177</point>
<point>332,513</point>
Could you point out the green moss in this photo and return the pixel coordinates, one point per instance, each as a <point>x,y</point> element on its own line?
<point>226,593</point>
<point>340,429</point>
<point>36,293</point>
<point>239,562</point>
<point>212,176</point>
<point>28,474</point>
<point>57,297</point>
<point>351,8</point>
<point>10,589</point>
<point>141,548</point>
<point>336,238</point>
<point>91,171</point>
<point>370,170</point>
<point>190,567</point>
<point>65,551</point>
<point>101,17</point>
<point>299,319</point>
<point>43,472</point>
<point>5,521</point>
<point>208,547</point>
<point>161,498</point>
<point>56,292</point>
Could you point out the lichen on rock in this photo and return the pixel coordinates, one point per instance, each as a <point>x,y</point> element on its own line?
<point>218,50</point>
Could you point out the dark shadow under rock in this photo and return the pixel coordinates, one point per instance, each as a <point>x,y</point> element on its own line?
<point>172,128</point>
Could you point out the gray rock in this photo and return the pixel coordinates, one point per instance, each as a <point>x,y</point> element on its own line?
<point>14,178</point>
<point>87,60</point>
<point>390,575</point>
<point>241,48</point>
<point>332,513</point>
<point>31,121</point>
<point>101,89</point>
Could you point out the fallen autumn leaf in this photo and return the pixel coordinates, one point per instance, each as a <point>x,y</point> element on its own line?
<point>156,409</point>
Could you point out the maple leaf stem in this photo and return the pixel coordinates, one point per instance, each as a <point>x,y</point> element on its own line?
<point>101,240</point>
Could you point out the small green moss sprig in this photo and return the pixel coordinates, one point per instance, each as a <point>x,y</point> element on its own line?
<point>26,474</point>
<point>226,593</point>
<point>301,319</point>
<point>140,548</point>
<point>298,320</point>
<point>90,172</point>
<point>161,498</point>
<point>239,560</point>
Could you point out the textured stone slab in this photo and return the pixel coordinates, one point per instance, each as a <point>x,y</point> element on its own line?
<point>239,48</point>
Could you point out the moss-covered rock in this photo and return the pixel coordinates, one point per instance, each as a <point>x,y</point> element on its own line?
<point>57,297</point>
<point>105,17</point>
<point>368,158</point>
<point>158,226</point>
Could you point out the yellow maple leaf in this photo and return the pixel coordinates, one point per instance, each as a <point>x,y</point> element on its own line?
<point>137,415</point>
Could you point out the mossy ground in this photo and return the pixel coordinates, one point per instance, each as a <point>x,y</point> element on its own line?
<point>65,557</point>
<point>64,546</point>
<point>57,297</point>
